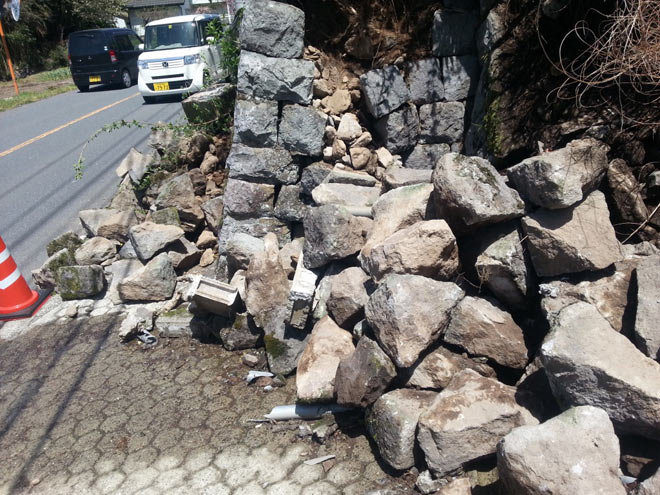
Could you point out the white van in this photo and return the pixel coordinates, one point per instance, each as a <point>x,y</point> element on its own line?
<point>176,56</point>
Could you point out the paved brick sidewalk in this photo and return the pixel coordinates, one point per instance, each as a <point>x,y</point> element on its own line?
<point>81,413</point>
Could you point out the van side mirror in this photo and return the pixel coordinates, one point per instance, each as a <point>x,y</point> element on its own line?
<point>209,39</point>
<point>141,47</point>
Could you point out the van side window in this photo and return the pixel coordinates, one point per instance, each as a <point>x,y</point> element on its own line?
<point>122,42</point>
<point>134,40</point>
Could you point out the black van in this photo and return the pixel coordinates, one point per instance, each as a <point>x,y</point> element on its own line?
<point>104,56</point>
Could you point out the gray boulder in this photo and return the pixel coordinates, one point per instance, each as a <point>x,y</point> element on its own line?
<point>92,219</point>
<point>117,226</point>
<point>241,333</point>
<point>400,129</point>
<point>149,238</point>
<point>124,198</point>
<point>460,76</point>
<point>470,193</point>
<point>257,227</point>
<point>255,123</point>
<point>437,368</point>
<point>183,254</point>
<point>213,210</point>
<point>425,81</point>
<point>291,206</point>
<point>425,156</point>
<point>135,165</point>
<point>166,216</point>
<point>442,123</point>
<point>454,33</point>
<point>241,248</point>
<point>95,251</point>
<point>588,363</point>
<point>647,331</point>
<point>575,452</point>
<point>273,28</point>
<point>384,90</point>
<point>348,296</point>
<point>401,176</point>
<point>179,192</point>
<point>116,273</point>
<point>249,199</point>
<point>279,79</point>
<point>272,166</point>
<point>155,281</point>
<point>44,277</point>
<point>79,282</point>
<point>313,175</point>
<point>302,129</point>
<point>408,313</point>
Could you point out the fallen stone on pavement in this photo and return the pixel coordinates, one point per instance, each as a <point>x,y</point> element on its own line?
<point>79,282</point>
<point>155,281</point>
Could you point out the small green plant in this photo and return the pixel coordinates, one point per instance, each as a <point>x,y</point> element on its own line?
<point>226,37</point>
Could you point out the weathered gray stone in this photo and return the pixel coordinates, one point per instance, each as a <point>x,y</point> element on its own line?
<point>331,233</point>
<point>626,192</point>
<point>573,239</point>
<point>425,156</point>
<point>326,347</point>
<point>91,219</point>
<point>127,252</point>
<point>335,193</point>
<point>341,175</point>
<point>408,313</point>
<point>363,376</point>
<point>213,210</point>
<point>278,79</point>
<point>302,129</point>
<point>441,123</point>
<point>392,423</point>
<point>241,333</point>
<point>166,216</point>
<point>183,254</point>
<point>44,277</point>
<point>116,273</point>
<point>460,76</point>
<point>384,90</point>
<point>117,226</point>
<point>149,238</point>
<point>139,318</point>
<point>324,287</point>
<point>179,193</point>
<point>155,281</point>
<point>436,370</point>
<point>454,32</point>
<point>312,176</point>
<point>135,164</point>
<point>575,452</point>
<point>209,104</point>
<point>124,198</point>
<point>647,331</point>
<point>467,419</point>
<point>561,178</point>
<point>79,282</point>
<point>425,81</point>
<point>348,296</point>
<point>95,251</point>
<point>255,123</point>
<point>469,193</point>
<point>290,205</point>
<point>249,199</point>
<point>400,176</point>
<point>273,28</point>
<point>257,227</point>
<point>483,328</point>
<point>588,363</point>
<point>426,248</point>
<point>400,129</point>
<point>349,127</point>
<point>272,166</point>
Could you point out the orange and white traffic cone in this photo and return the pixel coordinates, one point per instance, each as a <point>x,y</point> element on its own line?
<point>17,300</point>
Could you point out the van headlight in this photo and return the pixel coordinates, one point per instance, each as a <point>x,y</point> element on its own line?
<point>143,64</point>
<point>191,59</point>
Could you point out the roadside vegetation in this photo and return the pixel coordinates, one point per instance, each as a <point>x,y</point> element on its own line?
<point>35,87</point>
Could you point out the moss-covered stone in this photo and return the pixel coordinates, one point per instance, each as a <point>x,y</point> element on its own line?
<point>275,347</point>
<point>79,282</point>
<point>68,240</point>
<point>166,216</point>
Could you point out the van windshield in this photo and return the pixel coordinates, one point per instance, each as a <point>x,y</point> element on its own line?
<point>175,35</point>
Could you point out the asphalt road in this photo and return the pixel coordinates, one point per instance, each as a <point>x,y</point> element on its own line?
<point>39,196</point>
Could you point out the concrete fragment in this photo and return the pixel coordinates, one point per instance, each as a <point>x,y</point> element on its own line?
<point>301,295</point>
<point>400,176</point>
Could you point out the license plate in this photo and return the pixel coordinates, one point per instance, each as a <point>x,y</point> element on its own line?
<point>94,79</point>
<point>161,86</point>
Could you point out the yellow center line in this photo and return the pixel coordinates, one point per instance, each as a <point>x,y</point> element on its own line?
<point>63,126</point>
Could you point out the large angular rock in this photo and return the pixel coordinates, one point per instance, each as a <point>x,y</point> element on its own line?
<point>436,370</point>
<point>179,193</point>
<point>408,313</point>
<point>209,104</point>
<point>44,277</point>
<point>284,345</point>
<point>348,296</point>
<point>335,193</point>
<point>647,331</point>
<point>92,219</point>
<point>425,156</point>
<point>588,363</point>
<point>155,281</point>
<point>363,376</point>
<point>384,90</point>
<point>454,32</point>
<point>425,81</point>
<point>256,227</point>
<point>392,423</point>
<point>241,333</point>
<point>116,273</point>
<point>425,248</point>
<point>95,251</point>
<point>273,28</point>
<point>149,238</point>
<point>166,216</point>
<point>302,129</point>
<point>399,130</point>
<point>460,76</point>
<point>575,452</point>
<point>401,176</point>
<point>249,199</point>
<point>124,198</point>
<point>272,166</point>
<point>467,419</point>
<point>337,103</point>
<point>483,328</point>
<point>396,210</point>
<point>213,210</point>
<point>469,193</point>
<point>279,79</point>
<point>312,176</point>
<point>183,254</point>
<point>340,175</point>
<point>135,164</point>
<point>326,347</point>
<point>576,239</point>
<point>117,226</point>
<point>79,282</point>
<point>255,123</point>
<point>331,233</point>
<point>441,123</point>
<point>241,248</point>
<point>561,178</point>
<point>291,206</point>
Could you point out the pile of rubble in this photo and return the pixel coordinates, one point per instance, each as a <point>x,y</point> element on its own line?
<point>474,314</point>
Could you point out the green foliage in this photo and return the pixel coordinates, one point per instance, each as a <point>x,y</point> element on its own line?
<point>226,38</point>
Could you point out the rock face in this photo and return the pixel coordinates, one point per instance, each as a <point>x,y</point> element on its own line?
<point>425,156</point>
<point>408,313</point>
<point>575,452</point>
<point>453,33</point>
<point>469,193</point>
<point>273,28</point>
<point>425,248</point>
<point>363,376</point>
<point>572,240</point>
<point>301,130</point>
<point>213,209</point>
<point>95,251</point>
<point>267,165</point>
<point>460,76</point>
<point>79,282</point>
<point>647,331</point>
<point>483,328</point>
<point>384,90</point>
<point>326,347</point>
<point>331,233</point>
<point>467,419</point>
<point>149,238</point>
<point>425,81</point>
<point>348,296</point>
<point>437,369</point>
<point>279,79</point>
<point>399,130</point>
<point>154,282</point>
<point>255,123</point>
<point>392,423</point>
<point>117,226</point>
<point>249,199</point>
<point>588,363</point>
<point>441,122</point>
<point>561,178</point>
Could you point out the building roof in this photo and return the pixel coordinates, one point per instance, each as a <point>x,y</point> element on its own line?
<point>152,3</point>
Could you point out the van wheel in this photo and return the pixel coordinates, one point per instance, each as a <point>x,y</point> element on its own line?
<point>149,99</point>
<point>126,81</point>
<point>82,89</point>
